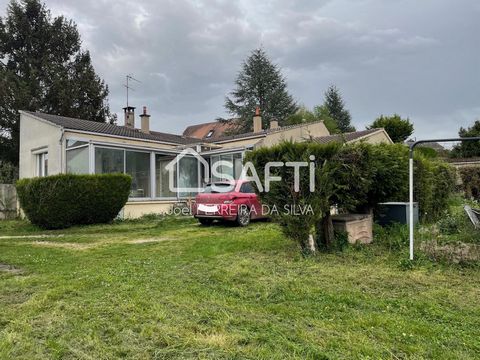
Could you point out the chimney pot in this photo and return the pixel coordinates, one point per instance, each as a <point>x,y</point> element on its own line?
<point>257,121</point>
<point>129,113</point>
<point>145,121</point>
<point>274,124</point>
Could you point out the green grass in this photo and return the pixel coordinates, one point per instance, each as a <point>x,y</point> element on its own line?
<point>172,289</point>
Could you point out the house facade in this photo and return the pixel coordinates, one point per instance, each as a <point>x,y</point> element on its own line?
<point>51,144</point>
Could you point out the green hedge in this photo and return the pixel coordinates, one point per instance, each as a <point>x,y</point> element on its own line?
<point>60,201</point>
<point>353,177</point>
<point>471,181</point>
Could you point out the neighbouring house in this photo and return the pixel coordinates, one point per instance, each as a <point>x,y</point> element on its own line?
<point>51,144</point>
<point>211,130</point>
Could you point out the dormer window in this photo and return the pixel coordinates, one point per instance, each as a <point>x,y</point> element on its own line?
<point>210,133</point>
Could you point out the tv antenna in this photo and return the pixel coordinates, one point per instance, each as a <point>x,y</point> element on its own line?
<point>129,78</point>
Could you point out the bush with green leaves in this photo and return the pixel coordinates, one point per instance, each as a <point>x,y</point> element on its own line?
<point>434,184</point>
<point>471,182</point>
<point>8,172</point>
<point>397,128</point>
<point>60,201</point>
<point>353,177</point>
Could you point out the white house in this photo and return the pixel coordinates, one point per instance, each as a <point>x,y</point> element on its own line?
<point>52,144</point>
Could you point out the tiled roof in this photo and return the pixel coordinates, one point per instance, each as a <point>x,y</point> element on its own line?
<point>345,137</point>
<point>263,132</point>
<point>217,128</point>
<point>110,129</point>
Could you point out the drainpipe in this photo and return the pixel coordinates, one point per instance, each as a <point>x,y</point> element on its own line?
<point>62,167</point>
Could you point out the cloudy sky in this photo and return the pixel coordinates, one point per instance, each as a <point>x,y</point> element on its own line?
<point>418,58</point>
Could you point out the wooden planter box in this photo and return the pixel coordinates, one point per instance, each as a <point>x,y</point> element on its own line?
<point>357,226</point>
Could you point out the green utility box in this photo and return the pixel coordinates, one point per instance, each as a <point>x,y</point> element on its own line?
<point>396,212</point>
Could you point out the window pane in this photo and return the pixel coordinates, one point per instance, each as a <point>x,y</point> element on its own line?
<point>73,143</point>
<point>42,164</point>
<point>39,165</point>
<point>45,164</point>
<point>238,165</point>
<point>138,167</point>
<point>162,177</point>
<point>108,161</point>
<point>214,159</point>
<point>77,161</point>
<point>223,169</point>
<point>188,175</point>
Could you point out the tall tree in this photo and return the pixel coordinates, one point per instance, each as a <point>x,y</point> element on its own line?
<point>397,128</point>
<point>260,83</point>
<point>468,148</point>
<point>336,108</point>
<point>44,68</point>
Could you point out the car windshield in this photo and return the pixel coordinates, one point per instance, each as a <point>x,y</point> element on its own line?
<point>218,188</point>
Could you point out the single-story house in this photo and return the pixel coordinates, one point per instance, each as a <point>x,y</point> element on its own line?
<point>52,144</point>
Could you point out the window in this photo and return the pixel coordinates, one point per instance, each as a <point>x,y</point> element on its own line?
<point>210,133</point>
<point>234,170</point>
<point>108,161</point>
<point>237,165</point>
<point>138,167</point>
<point>77,160</point>
<point>42,164</point>
<point>218,188</point>
<point>188,175</point>
<point>162,177</point>
<point>247,188</point>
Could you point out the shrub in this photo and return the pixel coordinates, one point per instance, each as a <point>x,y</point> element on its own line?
<point>353,177</point>
<point>60,201</point>
<point>8,173</point>
<point>434,183</point>
<point>471,182</point>
<point>449,224</point>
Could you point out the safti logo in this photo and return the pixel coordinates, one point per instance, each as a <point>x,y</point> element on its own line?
<point>172,166</point>
<point>248,168</point>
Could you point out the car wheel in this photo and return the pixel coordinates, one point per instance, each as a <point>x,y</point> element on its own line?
<point>205,222</point>
<point>243,217</point>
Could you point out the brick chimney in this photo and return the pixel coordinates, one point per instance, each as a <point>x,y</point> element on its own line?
<point>257,121</point>
<point>129,112</point>
<point>145,121</point>
<point>274,124</point>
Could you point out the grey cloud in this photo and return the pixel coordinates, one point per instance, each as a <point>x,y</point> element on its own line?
<point>419,59</point>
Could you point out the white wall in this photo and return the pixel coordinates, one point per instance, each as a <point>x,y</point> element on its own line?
<point>34,135</point>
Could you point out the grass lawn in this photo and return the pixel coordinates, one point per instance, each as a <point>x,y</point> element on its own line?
<point>173,289</point>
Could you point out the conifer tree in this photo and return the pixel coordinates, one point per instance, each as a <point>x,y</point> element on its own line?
<point>260,83</point>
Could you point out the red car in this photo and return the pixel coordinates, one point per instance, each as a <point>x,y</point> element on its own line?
<point>231,201</point>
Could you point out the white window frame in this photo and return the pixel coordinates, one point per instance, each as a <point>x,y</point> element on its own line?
<point>87,145</point>
<point>92,145</point>
<point>40,164</point>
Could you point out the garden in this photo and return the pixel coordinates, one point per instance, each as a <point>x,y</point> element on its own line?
<point>165,287</point>
<point>77,286</point>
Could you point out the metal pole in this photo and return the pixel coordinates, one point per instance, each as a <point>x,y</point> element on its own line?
<point>411,203</point>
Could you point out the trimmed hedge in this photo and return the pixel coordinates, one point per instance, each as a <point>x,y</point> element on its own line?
<point>60,201</point>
